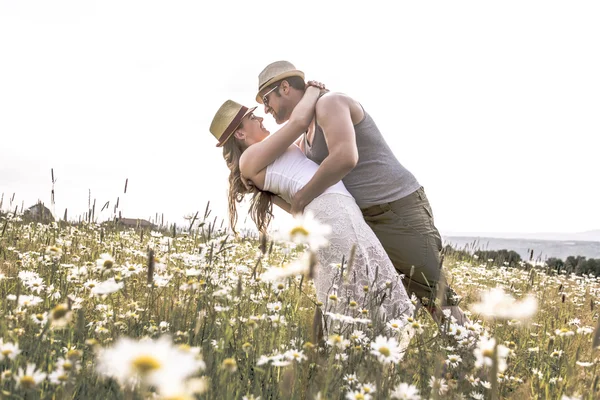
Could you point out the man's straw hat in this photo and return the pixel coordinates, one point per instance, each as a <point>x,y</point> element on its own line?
<point>227,119</point>
<point>275,72</point>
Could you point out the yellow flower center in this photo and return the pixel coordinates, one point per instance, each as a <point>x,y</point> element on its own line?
<point>6,352</point>
<point>353,304</point>
<point>63,377</point>
<point>145,364</point>
<point>39,317</point>
<point>385,351</point>
<point>67,366</point>
<point>108,264</point>
<point>60,311</point>
<point>488,353</point>
<point>27,381</point>
<point>179,397</point>
<point>395,325</point>
<point>299,230</point>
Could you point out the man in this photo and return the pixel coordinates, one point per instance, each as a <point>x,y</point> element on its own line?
<point>347,144</point>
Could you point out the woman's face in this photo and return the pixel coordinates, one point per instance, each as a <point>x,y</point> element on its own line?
<point>253,129</point>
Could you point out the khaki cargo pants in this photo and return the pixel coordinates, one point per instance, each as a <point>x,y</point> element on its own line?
<point>406,230</point>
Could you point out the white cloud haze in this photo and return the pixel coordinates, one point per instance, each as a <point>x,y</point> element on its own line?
<point>493,106</point>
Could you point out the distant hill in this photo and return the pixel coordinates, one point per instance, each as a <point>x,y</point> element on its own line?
<point>587,236</point>
<point>542,248</point>
<point>592,236</point>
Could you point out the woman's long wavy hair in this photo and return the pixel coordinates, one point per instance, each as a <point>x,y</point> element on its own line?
<point>261,204</point>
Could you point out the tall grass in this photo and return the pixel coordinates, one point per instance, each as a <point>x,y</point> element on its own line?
<point>69,293</point>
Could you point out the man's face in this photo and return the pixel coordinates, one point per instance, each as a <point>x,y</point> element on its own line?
<point>277,104</point>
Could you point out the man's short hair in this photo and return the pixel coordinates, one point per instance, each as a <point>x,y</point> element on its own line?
<point>294,81</point>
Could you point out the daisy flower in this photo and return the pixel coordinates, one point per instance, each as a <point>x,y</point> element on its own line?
<point>453,360</point>
<point>30,377</point>
<point>105,262</point>
<point>300,266</point>
<point>107,287</point>
<point>496,304</point>
<point>148,361</point>
<point>484,354</point>
<point>60,316</point>
<point>404,391</point>
<point>305,229</point>
<point>386,350</point>
<point>8,350</point>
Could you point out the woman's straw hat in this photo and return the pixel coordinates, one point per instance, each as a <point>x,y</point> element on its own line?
<point>275,72</point>
<point>227,119</point>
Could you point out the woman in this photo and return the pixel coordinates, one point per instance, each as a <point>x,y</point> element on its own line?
<point>278,169</point>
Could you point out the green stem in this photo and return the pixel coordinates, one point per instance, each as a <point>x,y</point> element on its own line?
<point>494,373</point>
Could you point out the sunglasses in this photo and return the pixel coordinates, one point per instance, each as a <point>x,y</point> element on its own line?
<point>265,98</point>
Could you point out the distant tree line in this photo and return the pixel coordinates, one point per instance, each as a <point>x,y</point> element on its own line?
<point>579,265</point>
<point>576,264</point>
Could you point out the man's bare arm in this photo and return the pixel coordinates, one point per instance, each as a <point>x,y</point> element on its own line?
<point>281,203</point>
<point>336,121</point>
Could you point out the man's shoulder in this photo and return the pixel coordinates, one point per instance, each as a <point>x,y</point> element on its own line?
<point>334,104</point>
<point>331,101</point>
<point>330,97</point>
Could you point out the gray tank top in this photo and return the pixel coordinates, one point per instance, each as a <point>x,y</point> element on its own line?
<point>378,176</point>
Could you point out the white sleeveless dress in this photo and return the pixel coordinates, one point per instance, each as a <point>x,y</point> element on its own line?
<point>371,268</point>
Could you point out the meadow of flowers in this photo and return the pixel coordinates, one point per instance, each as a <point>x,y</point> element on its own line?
<point>90,311</point>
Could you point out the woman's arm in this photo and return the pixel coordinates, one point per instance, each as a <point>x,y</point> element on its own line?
<point>258,156</point>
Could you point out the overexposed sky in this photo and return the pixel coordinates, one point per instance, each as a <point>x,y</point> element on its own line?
<point>493,106</point>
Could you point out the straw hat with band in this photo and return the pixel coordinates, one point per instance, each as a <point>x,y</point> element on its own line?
<point>227,119</point>
<point>275,72</point>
